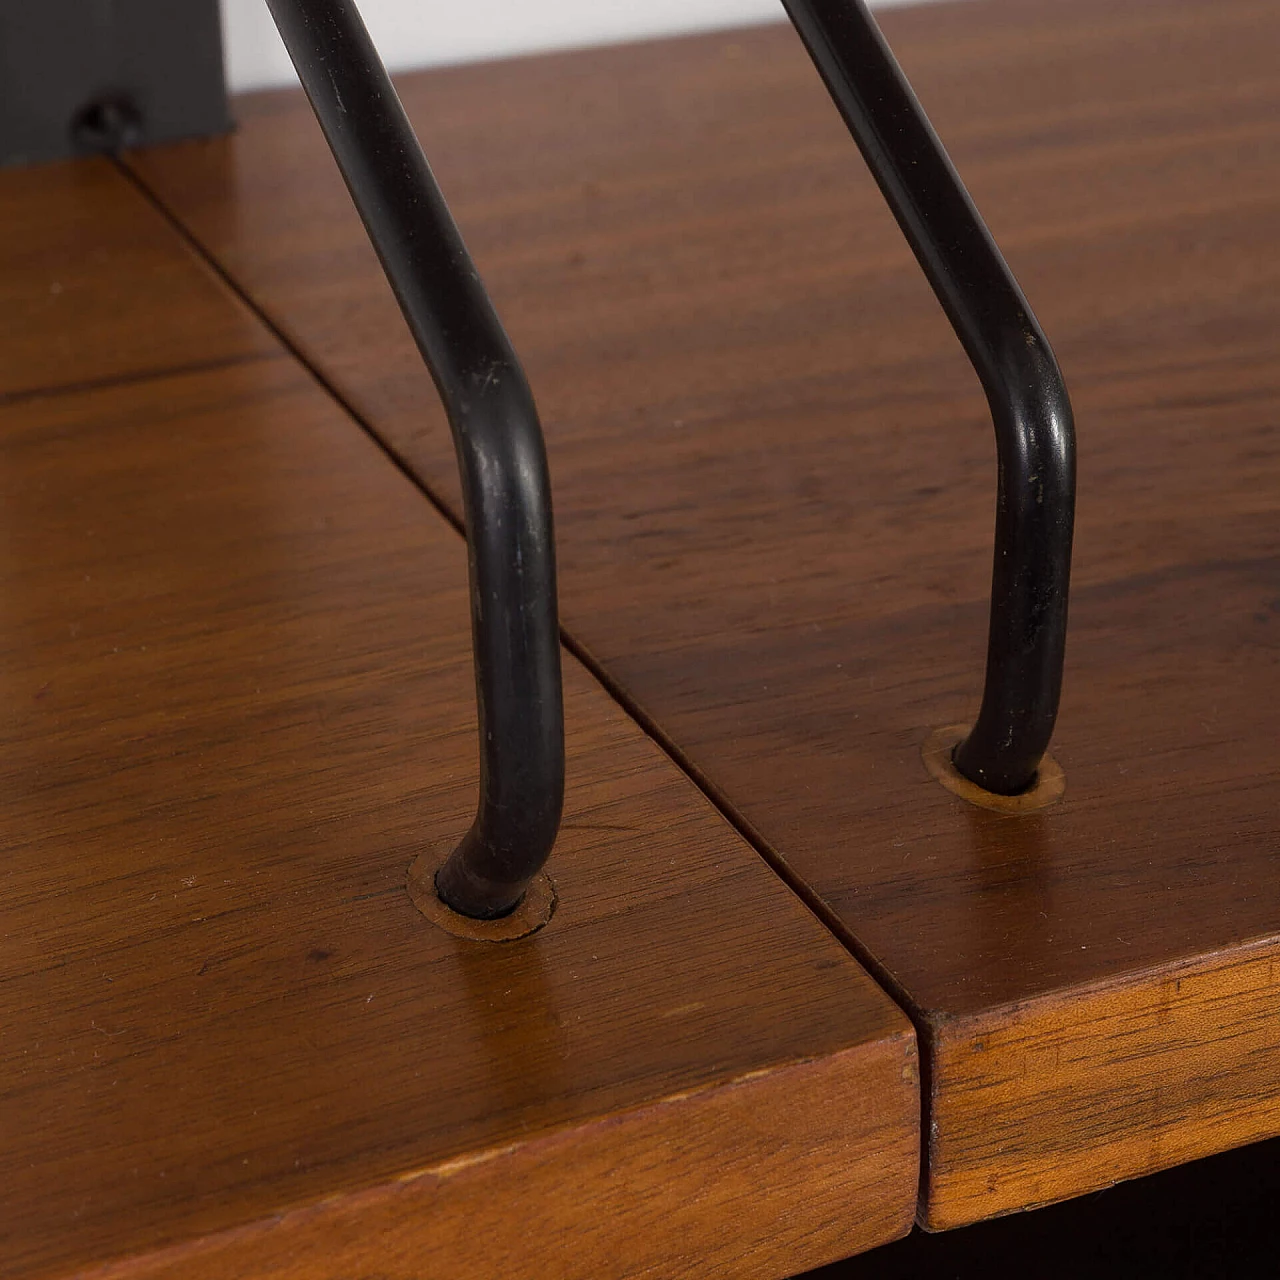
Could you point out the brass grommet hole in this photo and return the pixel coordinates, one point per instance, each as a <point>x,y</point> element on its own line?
<point>1049,786</point>
<point>533,913</point>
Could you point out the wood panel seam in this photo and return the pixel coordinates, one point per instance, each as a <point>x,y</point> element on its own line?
<point>142,375</point>
<point>281,335</point>
<point>577,649</point>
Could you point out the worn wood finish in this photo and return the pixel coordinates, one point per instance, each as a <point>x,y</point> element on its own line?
<point>95,285</point>
<point>774,478</point>
<point>239,701</point>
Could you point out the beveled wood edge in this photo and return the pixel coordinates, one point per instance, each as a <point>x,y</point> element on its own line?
<point>1091,1149</point>
<point>824,1130</point>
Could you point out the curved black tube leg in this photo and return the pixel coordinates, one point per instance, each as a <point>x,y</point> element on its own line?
<point>1035,438</point>
<point>506,491</point>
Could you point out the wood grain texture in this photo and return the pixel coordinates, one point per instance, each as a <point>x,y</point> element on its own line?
<point>1204,1036</point>
<point>687,1187</point>
<point>94,285</point>
<point>236,665</point>
<point>774,479</point>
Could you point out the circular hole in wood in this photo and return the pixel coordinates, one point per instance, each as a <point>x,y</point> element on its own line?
<point>1049,785</point>
<point>534,912</point>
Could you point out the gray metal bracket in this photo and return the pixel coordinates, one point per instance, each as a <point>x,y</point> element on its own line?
<point>80,76</point>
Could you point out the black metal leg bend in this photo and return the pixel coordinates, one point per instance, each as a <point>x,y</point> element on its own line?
<point>501,456</point>
<point>1035,438</point>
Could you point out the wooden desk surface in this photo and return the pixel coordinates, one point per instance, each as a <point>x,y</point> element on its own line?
<point>236,668</point>
<point>94,287</point>
<point>774,478</point>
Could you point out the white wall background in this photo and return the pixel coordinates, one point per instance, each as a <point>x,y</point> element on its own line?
<point>421,33</point>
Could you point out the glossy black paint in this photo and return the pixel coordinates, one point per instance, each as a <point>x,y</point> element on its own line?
<point>1035,436</point>
<point>499,445</point>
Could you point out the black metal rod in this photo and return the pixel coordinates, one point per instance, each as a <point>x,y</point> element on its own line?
<point>1035,437</point>
<point>505,486</point>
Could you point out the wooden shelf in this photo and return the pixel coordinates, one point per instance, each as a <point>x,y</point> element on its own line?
<point>774,478</point>
<point>236,667</point>
<point>96,288</point>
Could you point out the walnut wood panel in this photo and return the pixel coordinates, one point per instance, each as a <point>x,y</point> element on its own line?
<point>1205,1034</point>
<point>236,668</point>
<point>94,285</point>
<point>774,479</point>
